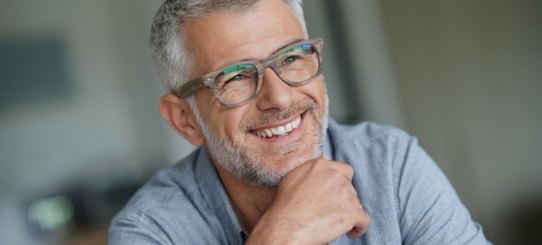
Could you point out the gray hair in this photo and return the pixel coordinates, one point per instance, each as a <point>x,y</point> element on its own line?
<point>172,60</point>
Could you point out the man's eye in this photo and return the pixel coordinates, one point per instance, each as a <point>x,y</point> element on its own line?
<point>291,59</point>
<point>237,77</point>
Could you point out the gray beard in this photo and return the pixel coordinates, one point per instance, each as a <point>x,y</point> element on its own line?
<point>247,165</point>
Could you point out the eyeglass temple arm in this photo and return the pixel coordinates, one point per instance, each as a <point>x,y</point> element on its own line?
<point>189,87</point>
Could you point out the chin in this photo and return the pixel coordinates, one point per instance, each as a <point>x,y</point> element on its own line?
<point>271,177</point>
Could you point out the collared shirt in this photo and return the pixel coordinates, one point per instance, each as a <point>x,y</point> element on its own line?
<point>406,195</point>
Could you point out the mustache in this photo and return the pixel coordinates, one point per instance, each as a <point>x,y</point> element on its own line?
<point>297,108</point>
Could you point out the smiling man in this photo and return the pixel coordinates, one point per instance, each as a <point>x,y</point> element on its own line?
<point>245,84</point>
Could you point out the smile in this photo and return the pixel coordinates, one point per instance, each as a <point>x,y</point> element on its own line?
<point>282,130</point>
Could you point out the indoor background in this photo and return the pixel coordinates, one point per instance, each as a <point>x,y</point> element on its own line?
<point>80,129</point>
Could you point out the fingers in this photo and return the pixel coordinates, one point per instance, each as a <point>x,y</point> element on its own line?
<point>362,223</point>
<point>355,232</point>
<point>360,227</point>
<point>319,195</point>
<point>343,168</point>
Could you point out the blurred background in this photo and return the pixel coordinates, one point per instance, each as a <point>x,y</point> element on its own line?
<point>80,130</point>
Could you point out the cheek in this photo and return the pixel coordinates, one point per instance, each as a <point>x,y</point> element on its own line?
<point>229,122</point>
<point>316,90</point>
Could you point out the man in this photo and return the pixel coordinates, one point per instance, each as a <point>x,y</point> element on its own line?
<point>244,83</point>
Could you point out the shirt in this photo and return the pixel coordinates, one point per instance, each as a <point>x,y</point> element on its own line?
<point>408,198</point>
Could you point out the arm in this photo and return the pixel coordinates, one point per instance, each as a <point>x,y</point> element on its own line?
<point>430,211</point>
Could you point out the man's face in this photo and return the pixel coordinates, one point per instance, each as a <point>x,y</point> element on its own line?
<point>234,136</point>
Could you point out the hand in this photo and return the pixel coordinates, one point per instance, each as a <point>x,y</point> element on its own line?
<point>314,204</point>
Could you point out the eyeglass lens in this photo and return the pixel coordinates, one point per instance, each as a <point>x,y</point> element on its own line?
<point>239,83</point>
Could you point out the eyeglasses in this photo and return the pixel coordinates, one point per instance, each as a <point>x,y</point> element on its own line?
<point>235,85</point>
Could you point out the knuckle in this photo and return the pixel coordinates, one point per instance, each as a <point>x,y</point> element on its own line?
<point>345,169</point>
<point>336,175</point>
<point>340,180</point>
<point>349,170</point>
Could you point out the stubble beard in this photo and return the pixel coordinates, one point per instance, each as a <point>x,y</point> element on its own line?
<point>246,164</point>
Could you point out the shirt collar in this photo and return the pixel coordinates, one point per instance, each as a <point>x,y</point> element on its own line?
<point>215,195</point>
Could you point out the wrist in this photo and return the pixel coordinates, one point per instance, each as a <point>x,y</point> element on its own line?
<point>276,230</point>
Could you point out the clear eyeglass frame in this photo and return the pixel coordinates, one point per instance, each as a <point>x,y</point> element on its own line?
<point>209,79</point>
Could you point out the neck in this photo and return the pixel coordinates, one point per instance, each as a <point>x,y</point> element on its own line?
<point>250,202</point>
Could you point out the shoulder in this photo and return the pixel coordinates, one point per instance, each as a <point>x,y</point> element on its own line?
<point>166,209</point>
<point>365,133</point>
<point>167,187</point>
<point>367,141</point>
<point>411,188</point>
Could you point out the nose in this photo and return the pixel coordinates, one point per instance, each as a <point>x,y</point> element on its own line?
<point>274,94</point>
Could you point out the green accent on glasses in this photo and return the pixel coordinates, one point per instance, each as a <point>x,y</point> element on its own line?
<point>235,68</point>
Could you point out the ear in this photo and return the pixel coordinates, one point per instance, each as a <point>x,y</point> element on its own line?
<point>177,113</point>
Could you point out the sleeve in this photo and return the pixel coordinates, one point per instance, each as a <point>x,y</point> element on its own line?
<point>135,229</point>
<point>430,211</point>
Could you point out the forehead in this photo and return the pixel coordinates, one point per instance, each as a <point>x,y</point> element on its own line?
<point>222,38</point>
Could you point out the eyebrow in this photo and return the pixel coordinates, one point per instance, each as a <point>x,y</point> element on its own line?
<point>277,49</point>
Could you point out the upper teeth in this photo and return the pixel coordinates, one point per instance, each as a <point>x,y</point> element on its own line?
<point>280,130</point>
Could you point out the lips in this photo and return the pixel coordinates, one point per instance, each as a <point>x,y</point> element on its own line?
<point>281,130</point>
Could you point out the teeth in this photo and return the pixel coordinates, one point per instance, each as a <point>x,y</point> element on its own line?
<point>280,130</point>
<point>289,127</point>
<point>296,122</point>
<point>268,133</point>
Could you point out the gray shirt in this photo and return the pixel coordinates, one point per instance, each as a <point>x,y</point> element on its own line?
<point>406,195</point>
